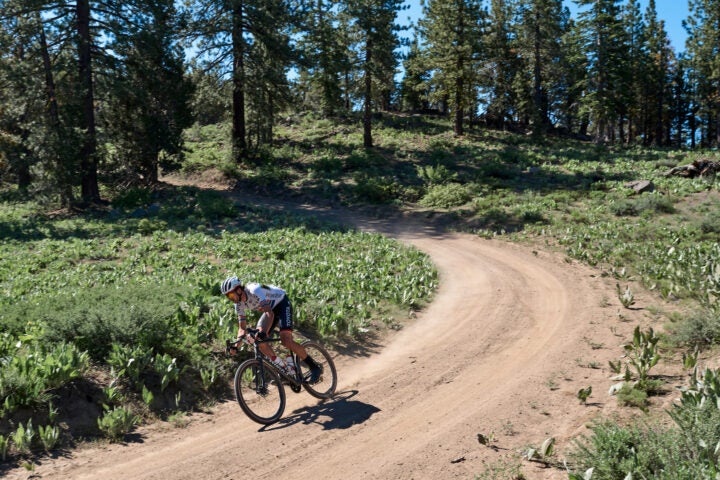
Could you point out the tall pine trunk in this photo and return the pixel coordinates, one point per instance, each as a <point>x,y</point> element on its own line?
<point>367,114</point>
<point>458,124</point>
<point>88,151</point>
<point>62,176</point>
<point>239,142</point>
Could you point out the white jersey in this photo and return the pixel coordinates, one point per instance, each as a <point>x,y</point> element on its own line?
<point>259,297</point>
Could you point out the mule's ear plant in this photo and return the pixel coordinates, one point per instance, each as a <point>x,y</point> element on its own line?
<point>49,436</point>
<point>643,352</point>
<point>4,445</point>
<point>626,296</point>
<point>544,453</point>
<point>690,359</point>
<point>584,394</point>
<point>23,437</point>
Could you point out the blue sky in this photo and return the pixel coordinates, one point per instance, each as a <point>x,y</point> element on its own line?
<point>673,12</point>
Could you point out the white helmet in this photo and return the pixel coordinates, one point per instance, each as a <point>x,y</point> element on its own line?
<point>229,284</point>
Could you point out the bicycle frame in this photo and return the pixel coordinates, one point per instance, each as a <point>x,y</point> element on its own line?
<point>295,382</point>
<point>265,382</point>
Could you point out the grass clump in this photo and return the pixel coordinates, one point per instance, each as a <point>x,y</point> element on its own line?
<point>446,196</point>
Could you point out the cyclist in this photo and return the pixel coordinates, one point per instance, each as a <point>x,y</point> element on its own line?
<point>276,310</point>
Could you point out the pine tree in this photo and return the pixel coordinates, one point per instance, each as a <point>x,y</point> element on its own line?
<point>603,39</point>
<point>323,50</point>
<point>413,87</point>
<point>150,100</point>
<point>452,31</point>
<point>376,44</point>
<point>571,84</point>
<point>541,30</point>
<point>661,60</point>
<point>503,65</point>
<point>702,47</point>
<point>250,42</point>
<point>632,91</point>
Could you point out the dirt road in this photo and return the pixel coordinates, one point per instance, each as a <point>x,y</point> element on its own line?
<point>511,336</point>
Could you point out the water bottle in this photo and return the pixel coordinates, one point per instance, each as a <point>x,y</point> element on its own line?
<point>290,366</point>
<point>278,362</point>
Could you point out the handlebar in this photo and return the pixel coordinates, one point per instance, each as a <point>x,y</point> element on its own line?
<point>253,333</point>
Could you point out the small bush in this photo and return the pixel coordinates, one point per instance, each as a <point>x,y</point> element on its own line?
<point>702,328</point>
<point>4,446</point>
<point>376,190</point>
<point>644,204</point>
<point>23,437</point>
<point>214,206</point>
<point>116,423</point>
<point>630,396</point>
<point>49,436</point>
<point>614,452</point>
<point>133,198</point>
<point>94,319</point>
<point>710,225</point>
<point>436,175</point>
<point>446,196</point>
<point>328,164</point>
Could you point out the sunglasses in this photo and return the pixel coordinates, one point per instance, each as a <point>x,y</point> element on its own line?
<point>234,296</point>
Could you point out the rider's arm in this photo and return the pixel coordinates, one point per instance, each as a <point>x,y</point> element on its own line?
<point>242,323</point>
<point>242,326</point>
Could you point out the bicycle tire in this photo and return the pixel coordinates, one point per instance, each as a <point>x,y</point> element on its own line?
<point>325,387</point>
<point>264,403</point>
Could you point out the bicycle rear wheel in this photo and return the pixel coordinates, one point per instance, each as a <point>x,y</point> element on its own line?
<point>261,397</point>
<point>325,387</point>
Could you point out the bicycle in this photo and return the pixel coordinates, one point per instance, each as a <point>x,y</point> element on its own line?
<point>259,384</point>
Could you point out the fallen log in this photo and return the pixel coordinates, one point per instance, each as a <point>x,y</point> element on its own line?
<point>698,168</point>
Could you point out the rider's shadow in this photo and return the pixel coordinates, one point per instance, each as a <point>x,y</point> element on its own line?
<point>338,413</point>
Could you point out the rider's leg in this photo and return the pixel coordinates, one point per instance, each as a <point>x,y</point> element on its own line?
<point>286,337</point>
<point>265,325</point>
<point>284,315</point>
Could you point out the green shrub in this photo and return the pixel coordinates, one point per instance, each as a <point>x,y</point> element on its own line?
<point>614,452</point>
<point>133,198</point>
<point>647,203</point>
<point>701,328</point>
<point>437,175</point>
<point>377,190</point>
<point>4,447</point>
<point>328,164</point>
<point>214,206</point>
<point>498,168</point>
<point>95,319</point>
<point>147,226</point>
<point>446,196</point>
<point>49,436</point>
<point>631,396</point>
<point>34,369</point>
<point>710,225</point>
<point>130,361</point>
<point>117,422</point>
<point>23,437</point>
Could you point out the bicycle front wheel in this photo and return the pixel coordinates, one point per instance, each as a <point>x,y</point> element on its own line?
<point>326,385</point>
<point>260,395</point>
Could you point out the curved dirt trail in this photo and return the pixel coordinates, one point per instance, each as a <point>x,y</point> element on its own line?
<point>501,351</point>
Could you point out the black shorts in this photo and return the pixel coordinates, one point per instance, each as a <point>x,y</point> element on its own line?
<point>283,317</point>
